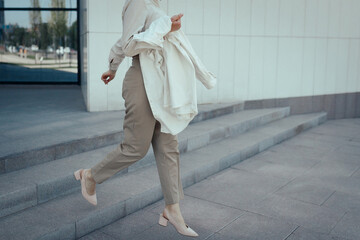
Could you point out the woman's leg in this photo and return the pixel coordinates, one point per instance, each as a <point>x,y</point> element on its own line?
<point>139,124</point>
<point>167,157</point>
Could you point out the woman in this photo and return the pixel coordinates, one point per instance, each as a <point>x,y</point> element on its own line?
<point>140,126</point>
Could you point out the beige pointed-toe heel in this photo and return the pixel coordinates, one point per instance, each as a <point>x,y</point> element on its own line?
<point>188,231</point>
<point>79,175</point>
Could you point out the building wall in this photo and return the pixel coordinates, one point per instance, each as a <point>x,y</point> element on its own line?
<point>258,49</point>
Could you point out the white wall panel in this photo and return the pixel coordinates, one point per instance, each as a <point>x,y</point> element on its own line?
<point>284,84</point>
<point>256,73</point>
<point>258,13</point>
<point>194,17</point>
<point>227,17</point>
<point>320,66</point>
<point>211,60</point>
<point>342,65</point>
<point>285,15</point>
<point>226,68</point>
<point>331,60</point>
<point>311,9</point>
<point>323,18</point>
<point>243,17</point>
<point>353,66</point>
<point>242,63</point>
<point>298,17</point>
<point>297,54</point>
<point>270,65</point>
<point>272,17</point>
<point>197,44</point>
<point>212,17</point>
<point>308,68</point>
<point>258,49</point>
<point>335,9</point>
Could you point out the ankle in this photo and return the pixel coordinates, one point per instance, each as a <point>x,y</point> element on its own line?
<point>174,210</point>
<point>89,176</point>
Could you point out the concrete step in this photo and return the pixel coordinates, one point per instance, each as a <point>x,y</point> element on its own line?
<point>40,183</point>
<point>89,136</point>
<point>70,216</point>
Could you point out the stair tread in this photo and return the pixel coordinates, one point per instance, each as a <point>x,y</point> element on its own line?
<point>89,125</point>
<point>63,167</point>
<point>61,213</point>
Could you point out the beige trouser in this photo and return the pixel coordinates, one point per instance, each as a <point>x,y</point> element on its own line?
<point>141,129</point>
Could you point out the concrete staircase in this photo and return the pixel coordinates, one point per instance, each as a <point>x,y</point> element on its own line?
<point>40,198</point>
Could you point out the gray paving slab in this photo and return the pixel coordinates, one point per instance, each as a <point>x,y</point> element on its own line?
<point>341,157</point>
<point>127,228</point>
<point>98,235</point>
<point>256,226</point>
<point>348,227</point>
<point>203,216</point>
<point>302,151</point>
<point>288,166</point>
<point>218,236</point>
<point>302,233</point>
<point>317,218</point>
<point>345,184</point>
<point>333,168</point>
<point>305,192</point>
<point>306,207</point>
<point>352,148</point>
<point>346,201</point>
<point>318,141</point>
<point>239,189</point>
<point>356,173</point>
<point>344,130</point>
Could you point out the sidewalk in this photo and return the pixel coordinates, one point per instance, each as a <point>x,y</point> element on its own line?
<point>307,187</point>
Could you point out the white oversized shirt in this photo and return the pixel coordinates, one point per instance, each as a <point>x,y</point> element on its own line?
<point>168,63</point>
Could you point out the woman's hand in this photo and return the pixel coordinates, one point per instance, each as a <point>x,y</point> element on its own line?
<point>108,76</point>
<point>176,22</point>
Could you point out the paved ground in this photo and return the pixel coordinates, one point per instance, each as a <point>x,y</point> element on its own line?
<point>306,188</point>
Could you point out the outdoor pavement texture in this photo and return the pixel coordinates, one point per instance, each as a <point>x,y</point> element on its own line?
<point>307,187</point>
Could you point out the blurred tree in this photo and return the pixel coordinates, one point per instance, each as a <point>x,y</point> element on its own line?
<point>45,36</point>
<point>19,36</point>
<point>72,36</point>
<point>35,21</point>
<point>57,23</point>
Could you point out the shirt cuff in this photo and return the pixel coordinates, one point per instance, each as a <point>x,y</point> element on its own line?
<point>113,66</point>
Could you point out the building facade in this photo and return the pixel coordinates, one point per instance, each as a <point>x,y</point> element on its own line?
<point>268,53</point>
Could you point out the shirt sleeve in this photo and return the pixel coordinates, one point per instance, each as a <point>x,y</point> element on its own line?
<point>208,79</point>
<point>134,40</point>
<point>116,56</point>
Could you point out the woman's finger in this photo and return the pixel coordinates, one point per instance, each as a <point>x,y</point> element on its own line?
<point>177,17</point>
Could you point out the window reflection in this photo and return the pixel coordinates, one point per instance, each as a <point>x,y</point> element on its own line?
<point>38,46</point>
<point>39,3</point>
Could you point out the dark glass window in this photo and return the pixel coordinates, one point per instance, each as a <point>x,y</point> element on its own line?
<point>39,41</point>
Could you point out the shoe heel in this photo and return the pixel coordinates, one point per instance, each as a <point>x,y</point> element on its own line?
<point>162,221</point>
<point>77,175</point>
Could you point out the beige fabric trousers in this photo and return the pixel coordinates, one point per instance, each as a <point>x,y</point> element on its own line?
<point>140,129</point>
